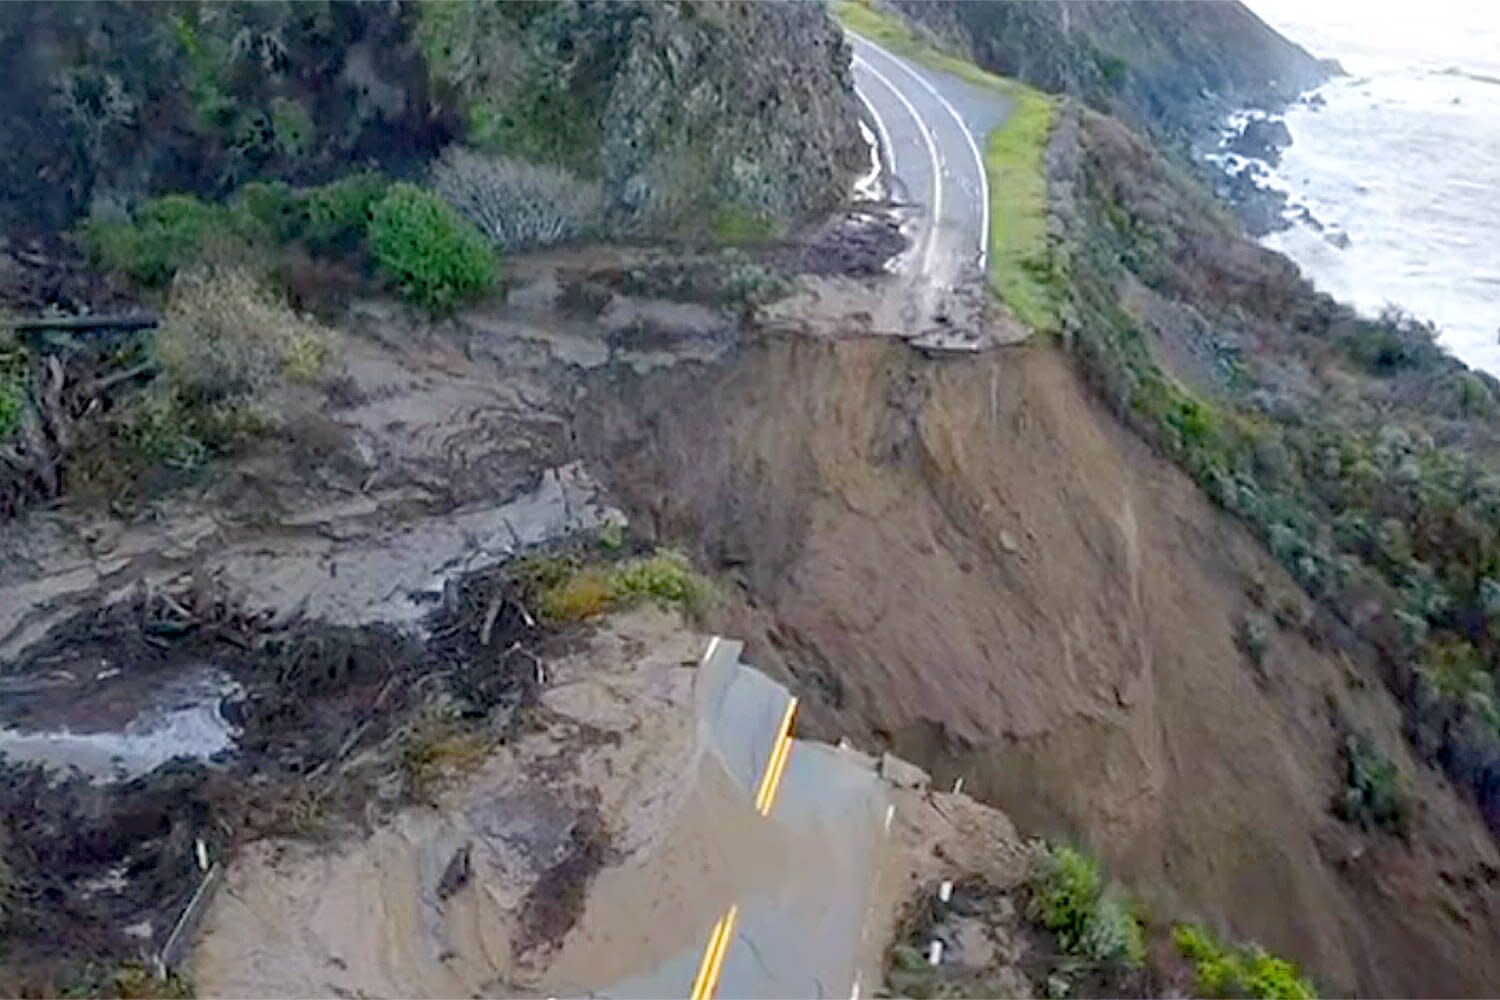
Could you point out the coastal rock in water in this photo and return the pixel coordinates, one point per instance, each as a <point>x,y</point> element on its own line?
<point>1263,139</point>
<point>1261,209</point>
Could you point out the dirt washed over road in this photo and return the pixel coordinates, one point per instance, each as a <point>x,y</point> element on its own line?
<point>597,781</point>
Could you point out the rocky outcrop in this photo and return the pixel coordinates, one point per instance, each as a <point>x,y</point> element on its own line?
<point>684,111</point>
<point>742,106</point>
<point>1263,139</point>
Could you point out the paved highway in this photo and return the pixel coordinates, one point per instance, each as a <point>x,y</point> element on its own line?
<point>932,128</point>
<point>799,933</point>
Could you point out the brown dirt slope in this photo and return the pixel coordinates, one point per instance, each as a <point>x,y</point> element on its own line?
<point>972,563</point>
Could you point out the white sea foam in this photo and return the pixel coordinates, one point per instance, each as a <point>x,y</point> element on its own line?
<point>1404,159</point>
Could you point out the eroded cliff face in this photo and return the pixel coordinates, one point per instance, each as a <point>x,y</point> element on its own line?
<point>975,565</point>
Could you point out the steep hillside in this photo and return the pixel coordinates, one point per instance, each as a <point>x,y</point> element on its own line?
<point>109,102</point>
<point>1175,67</point>
<point>745,109</point>
<point>1365,456</point>
<point>740,113</point>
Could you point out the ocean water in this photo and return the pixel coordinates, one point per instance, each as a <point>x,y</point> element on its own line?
<point>1403,160</point>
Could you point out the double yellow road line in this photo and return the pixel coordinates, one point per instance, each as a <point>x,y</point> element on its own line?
<point>707,980</point>
<point>713,957</point>
<point>781,749</point>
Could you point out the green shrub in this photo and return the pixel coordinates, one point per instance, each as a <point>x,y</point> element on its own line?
<point>337,215</point>
<point>748,283</point>
<point>329,220</point>
<point>12,403</point>
<point>1068,897</point>
<point>436,257</point>
<point>567,590</point>
<point>612,537</point>
<point>665,577</point>
<point>161,429</point>
<point>291,125</point>
<point>734,224</point>
<point>1372,797</point>
<point>166,234</point>
<point>1239,972</point>
<point>1112,68</point>
<point>175,231</point>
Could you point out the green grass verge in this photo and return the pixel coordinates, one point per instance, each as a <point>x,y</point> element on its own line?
<point>1021,268</point>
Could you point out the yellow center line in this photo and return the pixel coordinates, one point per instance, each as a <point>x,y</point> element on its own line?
<point>707,980</point>
<point>708,959</point>
<point>778,768</point>
<point>767,782</point>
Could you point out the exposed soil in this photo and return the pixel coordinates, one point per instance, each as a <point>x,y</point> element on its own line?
<point>972,563</point>
<point>965,560</point>
<point>593,778</point>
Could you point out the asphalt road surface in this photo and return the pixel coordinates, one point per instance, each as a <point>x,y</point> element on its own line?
<point>799,933</point>
<point>932,130</point>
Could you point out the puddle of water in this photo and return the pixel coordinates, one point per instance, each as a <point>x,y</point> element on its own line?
<point>182,719</point>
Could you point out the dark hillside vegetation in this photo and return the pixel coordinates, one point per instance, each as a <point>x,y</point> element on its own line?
<point>685,110</point>
<point>740,109</point>
<point>112,102</point>
<point>1365,456</point>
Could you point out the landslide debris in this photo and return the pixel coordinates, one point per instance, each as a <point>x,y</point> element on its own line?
<point>976,566</point>
<point>324,724</point>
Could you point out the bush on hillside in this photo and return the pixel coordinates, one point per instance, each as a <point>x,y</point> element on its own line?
<point>434,255</point>
<point>567,590</point>
<point>1364,458</point>
<point>12,395</point>
<point>165,234</point>
<point>10,408</point>
<point>1069,897</point>
<point>224,336</point>
<point>518,205</point>
<point>337,215</point>
<point>1226,971</point>
<point>1372,797</point>
<point>1251,635</point>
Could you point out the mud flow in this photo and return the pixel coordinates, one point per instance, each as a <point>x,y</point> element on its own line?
<point>145,738</point>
